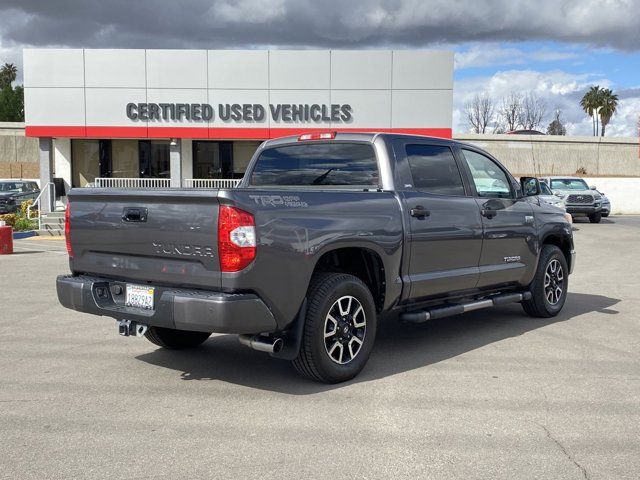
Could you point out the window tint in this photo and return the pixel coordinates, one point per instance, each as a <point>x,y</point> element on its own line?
<point>489,179</point>
<point>323,164</point>
<point>434,169</point>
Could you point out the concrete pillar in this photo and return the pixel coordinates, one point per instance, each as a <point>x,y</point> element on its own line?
<point>45,147</point>
<point>175,164</point>
<point>62,161</point>
<point>187,159</point>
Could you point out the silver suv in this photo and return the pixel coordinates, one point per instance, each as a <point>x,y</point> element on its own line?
<point>579,199</point>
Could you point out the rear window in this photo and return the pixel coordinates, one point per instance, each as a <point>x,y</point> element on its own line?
<point>326,164</point>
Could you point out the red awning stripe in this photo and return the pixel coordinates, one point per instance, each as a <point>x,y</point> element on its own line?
<point>221,133</point>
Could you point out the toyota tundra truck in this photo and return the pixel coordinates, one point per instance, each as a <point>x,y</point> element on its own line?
<point>326,234</point>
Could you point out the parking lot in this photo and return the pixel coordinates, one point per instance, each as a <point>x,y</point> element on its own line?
<point>490,394</point>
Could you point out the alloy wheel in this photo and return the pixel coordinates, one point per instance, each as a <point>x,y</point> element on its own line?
<point>553,282</point>
<point>344,329</point>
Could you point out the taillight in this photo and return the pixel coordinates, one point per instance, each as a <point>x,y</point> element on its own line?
<point>67,228</point>
<point>236,239</point>
<point>317,136</point>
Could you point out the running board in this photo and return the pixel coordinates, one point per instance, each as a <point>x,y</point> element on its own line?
<point>439,312</point>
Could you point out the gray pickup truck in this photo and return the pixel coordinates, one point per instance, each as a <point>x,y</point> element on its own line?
<point>326,234</point>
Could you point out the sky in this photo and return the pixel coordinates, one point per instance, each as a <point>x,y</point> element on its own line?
<point>555,48</point>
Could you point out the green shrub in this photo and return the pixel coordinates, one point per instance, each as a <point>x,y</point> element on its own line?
<point>22,224</point>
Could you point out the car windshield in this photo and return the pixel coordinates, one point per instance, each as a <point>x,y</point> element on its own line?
<point>10,187</point>
<point>544,189</point>
<point>568,184</point>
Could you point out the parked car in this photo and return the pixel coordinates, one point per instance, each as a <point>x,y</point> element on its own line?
<point>14,192</point>
<point>579,199</point>
<point>326,233</point>
<point>606,203</point>
<point>546,195</point>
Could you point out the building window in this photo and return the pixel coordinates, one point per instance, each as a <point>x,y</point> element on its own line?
<point>85,161</point>
<point>154,159</point>
<point>125,161</point>
<point>222,159</point>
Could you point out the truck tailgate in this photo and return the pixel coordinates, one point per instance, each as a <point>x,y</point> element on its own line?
<point>156,236</point>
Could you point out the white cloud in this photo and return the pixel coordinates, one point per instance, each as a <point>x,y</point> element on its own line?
<point>248,11</point>
<point>492,54</point>
<point>559,89</point>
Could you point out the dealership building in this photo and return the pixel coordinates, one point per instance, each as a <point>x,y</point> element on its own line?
<point>171,118</point>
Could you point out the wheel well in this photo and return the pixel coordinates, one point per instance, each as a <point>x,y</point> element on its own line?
<point>562,243</point>
<point>359,262</point>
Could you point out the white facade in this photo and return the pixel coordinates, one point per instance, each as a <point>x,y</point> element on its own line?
<point>84,93</point>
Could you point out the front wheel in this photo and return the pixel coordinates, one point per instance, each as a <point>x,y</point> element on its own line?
<point>595,217</point>
<point>175,339</point>
<point>549,286</point>
<point>339,330</point>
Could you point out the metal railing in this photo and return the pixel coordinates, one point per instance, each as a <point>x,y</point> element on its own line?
<point>210,183</point>
<point>49,188</point>
<point>102,182</point>
<point>213,183</point>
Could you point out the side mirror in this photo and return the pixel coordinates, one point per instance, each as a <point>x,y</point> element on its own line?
<point>592,187</point>
<point>530,186</point>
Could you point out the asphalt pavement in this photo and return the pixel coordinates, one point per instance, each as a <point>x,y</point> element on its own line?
<point>491,394</point>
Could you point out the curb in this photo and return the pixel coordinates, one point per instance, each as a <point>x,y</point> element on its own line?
<point>19,235</point>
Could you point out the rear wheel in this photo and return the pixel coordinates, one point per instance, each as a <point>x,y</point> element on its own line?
<point>549,286</point>
<point>175,339</point>
<point>595,217</point>
<point>339,330</point>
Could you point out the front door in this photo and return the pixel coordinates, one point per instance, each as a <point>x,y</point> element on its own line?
<point>509,232</point>
<point>445,229</point>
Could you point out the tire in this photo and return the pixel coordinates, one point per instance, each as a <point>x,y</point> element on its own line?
<point>595,217</point>
<point>342,355</point>
<point>175,339</point>
<point>541,305</point>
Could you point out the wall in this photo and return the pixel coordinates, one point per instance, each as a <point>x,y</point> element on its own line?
<point>18,154</point>
<point>558,155</point>
<point>86,93</point>
<point>622,192</point>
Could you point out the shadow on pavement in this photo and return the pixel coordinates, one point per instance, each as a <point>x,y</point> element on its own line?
<point>400,347</point>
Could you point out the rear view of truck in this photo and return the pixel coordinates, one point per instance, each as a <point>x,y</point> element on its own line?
<point>156,258</point>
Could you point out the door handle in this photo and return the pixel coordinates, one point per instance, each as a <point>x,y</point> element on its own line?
<point>134,215</point>
<point>488,213</point>
<point>419,212</point>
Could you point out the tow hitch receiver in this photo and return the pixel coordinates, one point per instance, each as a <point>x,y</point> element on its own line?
<point>128,328</point>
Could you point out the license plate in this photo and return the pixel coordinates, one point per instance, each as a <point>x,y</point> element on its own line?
<point>139,296</point>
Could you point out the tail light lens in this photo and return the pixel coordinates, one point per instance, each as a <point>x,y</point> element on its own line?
<point>67,228</point>
<point>236,238</point>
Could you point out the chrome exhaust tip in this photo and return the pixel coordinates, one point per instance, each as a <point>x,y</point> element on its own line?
<point>262,343</point>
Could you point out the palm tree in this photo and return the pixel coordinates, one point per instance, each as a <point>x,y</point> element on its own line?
<point>8,74</point>
<point>590,103</point>
<point>608,106</point>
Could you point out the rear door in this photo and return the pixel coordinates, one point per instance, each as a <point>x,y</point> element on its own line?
<point>444,225</point>
<point>509,231</point>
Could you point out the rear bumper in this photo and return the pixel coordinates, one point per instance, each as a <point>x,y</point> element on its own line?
<point>178,308</point>
<point>583,209</point>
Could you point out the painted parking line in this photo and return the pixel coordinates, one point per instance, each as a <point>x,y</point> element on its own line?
<point>40,248</point>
